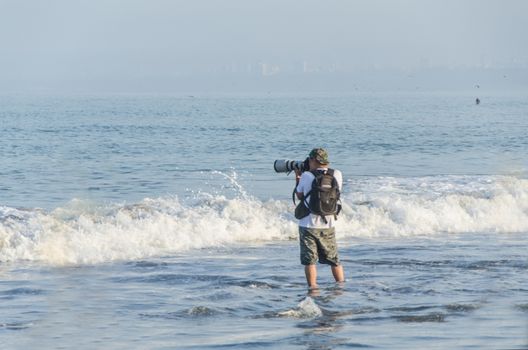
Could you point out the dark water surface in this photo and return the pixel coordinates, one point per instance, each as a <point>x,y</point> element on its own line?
<point>460,293</point>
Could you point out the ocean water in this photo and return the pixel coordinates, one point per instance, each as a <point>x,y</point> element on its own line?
<point>157,222</point>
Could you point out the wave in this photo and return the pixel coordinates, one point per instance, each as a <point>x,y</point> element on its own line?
<point>83,233</point>
<point>86,233</point>
<point>436,205</point>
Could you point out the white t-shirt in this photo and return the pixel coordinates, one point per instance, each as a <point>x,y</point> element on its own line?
<point>305,186</point>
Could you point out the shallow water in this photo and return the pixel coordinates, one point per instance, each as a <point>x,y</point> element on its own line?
<point>460,292</point>
<point>157,222</point>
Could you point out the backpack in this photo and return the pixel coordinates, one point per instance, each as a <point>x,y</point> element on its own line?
<point>324,195</point>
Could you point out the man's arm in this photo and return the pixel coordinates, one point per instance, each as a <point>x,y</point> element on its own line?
<point>300,195</point>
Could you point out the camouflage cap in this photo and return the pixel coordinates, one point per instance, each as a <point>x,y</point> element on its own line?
<point>320,155</point>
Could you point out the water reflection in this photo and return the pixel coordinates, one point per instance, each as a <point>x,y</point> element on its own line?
<point>322,333</point>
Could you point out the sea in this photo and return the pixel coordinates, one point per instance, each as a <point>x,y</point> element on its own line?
<point>154,221</point>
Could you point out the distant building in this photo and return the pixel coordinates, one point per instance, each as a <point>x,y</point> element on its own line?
<point>268,69</point>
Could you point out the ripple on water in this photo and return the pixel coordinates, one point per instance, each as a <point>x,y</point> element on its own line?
<point>522,307</point>
<point>148,264</point>
<point>22,291</point>
<point>170,279</point>
<point>211,280</point>
<point>462,308</point>
<point>251,284</point>
<point>195,311</point>
<point>411,308</point>
<point>432,317</point>
<point>412,313</point>
<point>18,292</point>
<point>15,326</point>
<point>202,311</point>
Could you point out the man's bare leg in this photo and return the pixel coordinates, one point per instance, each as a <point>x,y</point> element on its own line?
<point>311,275</point>
<point>339,274</point>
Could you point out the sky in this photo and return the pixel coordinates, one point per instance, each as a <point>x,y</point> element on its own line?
<point>56,42</point>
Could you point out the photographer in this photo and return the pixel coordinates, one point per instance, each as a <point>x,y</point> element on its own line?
<point>317,232</point>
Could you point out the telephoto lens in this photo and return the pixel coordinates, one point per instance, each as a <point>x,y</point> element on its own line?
<point>286,166</point>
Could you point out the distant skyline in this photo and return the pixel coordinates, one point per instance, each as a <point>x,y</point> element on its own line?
<point>308,67</point>
<point>90,45</point>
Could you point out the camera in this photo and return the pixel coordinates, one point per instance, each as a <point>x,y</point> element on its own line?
<point>286,166</point>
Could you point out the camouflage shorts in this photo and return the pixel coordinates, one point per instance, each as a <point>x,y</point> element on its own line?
<point>318,244</point>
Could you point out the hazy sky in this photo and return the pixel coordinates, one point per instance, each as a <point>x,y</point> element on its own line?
<point>111,39</point>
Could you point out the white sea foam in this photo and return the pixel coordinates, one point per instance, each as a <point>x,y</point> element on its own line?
<point>87,233</point>
<point>81,233</point>
<point>307,308</point>
<point>436,205</point>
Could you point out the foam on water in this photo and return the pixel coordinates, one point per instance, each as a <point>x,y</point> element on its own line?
<point>88,233</point>
<point>82,233</point>
<point>433,205</point>
<point>307,308</point>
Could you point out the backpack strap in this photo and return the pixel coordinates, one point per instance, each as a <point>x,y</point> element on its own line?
<point>339,206</point>
<point>330,172</point>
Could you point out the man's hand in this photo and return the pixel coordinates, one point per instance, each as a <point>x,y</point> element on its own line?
<point>297,176</point>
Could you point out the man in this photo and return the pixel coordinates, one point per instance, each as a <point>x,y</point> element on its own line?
<point>317,233</point>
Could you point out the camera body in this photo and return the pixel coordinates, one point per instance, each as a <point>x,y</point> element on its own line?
<point>286,166</point>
